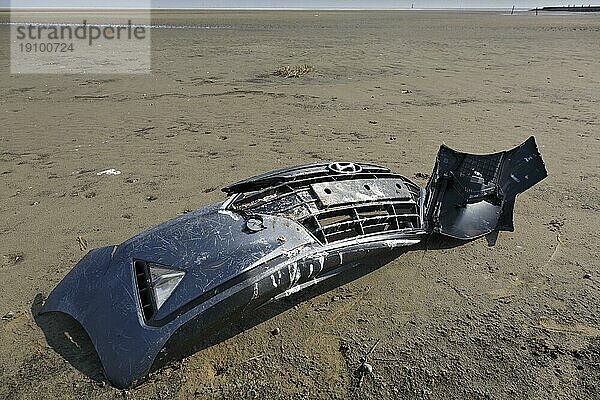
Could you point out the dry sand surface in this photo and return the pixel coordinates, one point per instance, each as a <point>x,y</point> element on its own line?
<point>519,320</point>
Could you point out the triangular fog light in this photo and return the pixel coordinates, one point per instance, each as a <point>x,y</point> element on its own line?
<point>164,282</point>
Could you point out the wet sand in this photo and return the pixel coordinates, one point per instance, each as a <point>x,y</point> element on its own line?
<point>517,320</point>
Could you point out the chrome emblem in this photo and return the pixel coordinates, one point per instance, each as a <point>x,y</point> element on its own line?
<point>344,168</point>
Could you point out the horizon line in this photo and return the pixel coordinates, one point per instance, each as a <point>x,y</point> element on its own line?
<point>265,8</point>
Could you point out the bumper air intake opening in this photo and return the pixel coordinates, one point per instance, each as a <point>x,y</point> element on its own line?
<point>142,277</point>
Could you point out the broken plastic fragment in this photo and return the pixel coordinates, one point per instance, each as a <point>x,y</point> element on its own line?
<point>110,171</point>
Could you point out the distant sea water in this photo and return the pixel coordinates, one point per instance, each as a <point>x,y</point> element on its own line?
<point>6,21</point>
<point>225,27</point>
<point>147,26</point>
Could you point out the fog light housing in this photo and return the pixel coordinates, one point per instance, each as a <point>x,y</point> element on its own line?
<point>164,281</point>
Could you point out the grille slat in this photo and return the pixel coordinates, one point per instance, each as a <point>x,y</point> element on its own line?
<point>306,182</point>
<point>382,202</point>
<point>296,174</point>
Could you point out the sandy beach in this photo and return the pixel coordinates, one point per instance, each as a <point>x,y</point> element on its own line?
<point>518,320</point>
